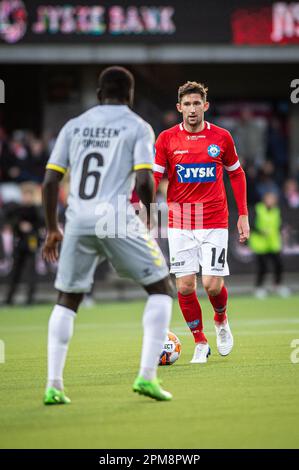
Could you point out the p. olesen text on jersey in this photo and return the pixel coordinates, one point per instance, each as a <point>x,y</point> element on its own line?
<point>102,148</point>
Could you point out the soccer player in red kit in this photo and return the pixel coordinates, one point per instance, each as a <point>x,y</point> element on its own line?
<point>194,154</point>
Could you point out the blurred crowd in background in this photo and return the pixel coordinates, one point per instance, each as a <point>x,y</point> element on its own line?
<point>262,145</point>
<point>261,141</point>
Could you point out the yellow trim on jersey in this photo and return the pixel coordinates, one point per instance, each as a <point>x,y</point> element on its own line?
<point>60,169</point>
<point>143,166</point>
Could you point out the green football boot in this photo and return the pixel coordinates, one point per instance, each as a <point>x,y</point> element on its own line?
<point>151,388</point>
<point>55,397</point>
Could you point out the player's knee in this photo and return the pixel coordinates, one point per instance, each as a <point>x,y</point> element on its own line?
<point>163,287</point>
<point>212,290</point>
<point>70,300</point>
<point>169,287</point>
<point>186,287</point>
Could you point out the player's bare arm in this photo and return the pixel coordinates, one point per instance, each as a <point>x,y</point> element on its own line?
<point>50,198</point>
<point>238,183</point>
<point>145,188</point>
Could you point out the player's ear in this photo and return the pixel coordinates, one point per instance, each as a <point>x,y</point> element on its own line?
<point>206,106</point>
<point>99,94</point>
<point>178,107</point>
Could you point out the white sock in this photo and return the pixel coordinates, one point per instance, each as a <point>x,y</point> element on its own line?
<point>60,332</point>
<point>156,320</point>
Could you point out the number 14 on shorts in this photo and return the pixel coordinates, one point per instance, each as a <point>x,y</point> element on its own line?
<point>221,257</point>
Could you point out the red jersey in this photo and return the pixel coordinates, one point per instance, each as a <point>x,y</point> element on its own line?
<point>194,162</point>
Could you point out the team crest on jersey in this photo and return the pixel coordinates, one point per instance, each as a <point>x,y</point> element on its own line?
<point>196,172</point>
<point>214,150</point>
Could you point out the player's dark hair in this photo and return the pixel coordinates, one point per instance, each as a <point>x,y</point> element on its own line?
<point>192,87</point>
<point>115,83</point>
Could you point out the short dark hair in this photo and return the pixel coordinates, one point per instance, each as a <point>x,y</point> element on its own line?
<point>192,87</point>
<point>115,82</point>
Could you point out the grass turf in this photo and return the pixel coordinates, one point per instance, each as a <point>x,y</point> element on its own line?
<point>249,399</point>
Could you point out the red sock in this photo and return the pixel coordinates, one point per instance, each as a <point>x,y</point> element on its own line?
<point>192,313</point>
<point>219,303</point>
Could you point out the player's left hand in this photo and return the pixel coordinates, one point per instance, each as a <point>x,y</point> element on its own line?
<point>243,228</point>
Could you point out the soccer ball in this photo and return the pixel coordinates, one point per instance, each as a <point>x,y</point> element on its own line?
<point>171,350</point>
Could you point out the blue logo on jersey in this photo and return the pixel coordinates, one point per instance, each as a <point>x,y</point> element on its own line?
<point>196,172</point>
<point>214,150</point>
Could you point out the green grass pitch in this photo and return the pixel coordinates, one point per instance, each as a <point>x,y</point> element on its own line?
<point>249,399</point>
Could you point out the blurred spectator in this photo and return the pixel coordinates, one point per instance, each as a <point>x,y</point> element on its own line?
<point>10,192</point>
<point>251,174</point>
<point>39,158</point>
<point>291,193</point>
<point>170,118</point>
<point>278,149</point>
<point>266,183</point>
<point>17,160</point>
<point>49,139</point>
<point>3,138</point>
<point>250,136</point>
<point>22,157</point>
<point>26,221</point>
<point>265,242</point>
<point>4,154</point>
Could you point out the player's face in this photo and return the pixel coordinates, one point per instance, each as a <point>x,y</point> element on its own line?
<point>193,108</point>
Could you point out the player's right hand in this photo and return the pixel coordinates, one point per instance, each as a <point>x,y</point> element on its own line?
<point>50,248</point>
<point>243,228</point>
